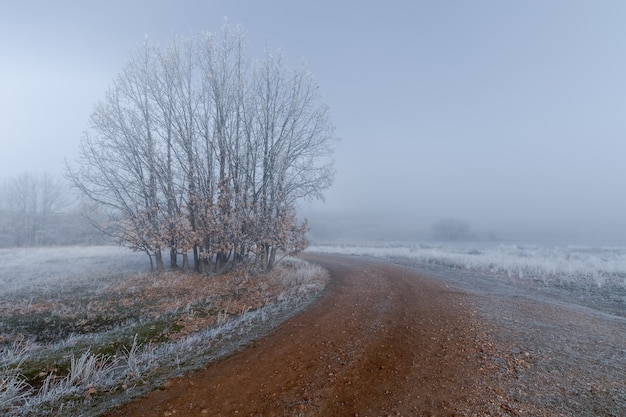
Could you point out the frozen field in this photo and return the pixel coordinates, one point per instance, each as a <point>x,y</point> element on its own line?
<point>591,275</point>
<point>49,269</point>
<point>585,265</point>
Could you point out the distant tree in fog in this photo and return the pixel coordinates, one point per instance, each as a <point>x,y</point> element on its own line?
<point>28,203</point>
<point>452,229</point>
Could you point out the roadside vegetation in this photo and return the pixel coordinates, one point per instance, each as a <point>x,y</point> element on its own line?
<point>68,346</point>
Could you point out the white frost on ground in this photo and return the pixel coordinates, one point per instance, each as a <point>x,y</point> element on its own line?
<point>565,264</point>
<point>41,268</point>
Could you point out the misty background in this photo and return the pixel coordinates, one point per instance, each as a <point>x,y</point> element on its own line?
<point>505,120</point>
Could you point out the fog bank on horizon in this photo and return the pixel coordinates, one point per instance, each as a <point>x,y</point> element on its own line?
<point>390,226</point>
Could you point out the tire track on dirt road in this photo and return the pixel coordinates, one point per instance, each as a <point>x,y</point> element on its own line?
<point>382,340</point>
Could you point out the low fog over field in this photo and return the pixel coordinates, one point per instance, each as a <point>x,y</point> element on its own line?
<point>506,116</point>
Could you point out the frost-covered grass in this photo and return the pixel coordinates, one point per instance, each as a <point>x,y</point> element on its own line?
<point>49,269</point>
<point>577,265</point>
<point>81,329</point>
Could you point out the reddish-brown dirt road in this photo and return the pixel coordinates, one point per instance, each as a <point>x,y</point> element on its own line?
<point>381,341</point>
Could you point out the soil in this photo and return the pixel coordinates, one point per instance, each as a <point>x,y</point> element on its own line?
<point>385,340</point>
<point>382,341</point>
<point>561,351</point>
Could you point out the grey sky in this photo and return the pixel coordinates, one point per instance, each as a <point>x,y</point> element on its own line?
<point>509,115</point>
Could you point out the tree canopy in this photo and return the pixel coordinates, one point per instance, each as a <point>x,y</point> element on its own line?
<point>196,148</point>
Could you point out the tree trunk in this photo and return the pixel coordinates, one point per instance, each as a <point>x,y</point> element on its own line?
<point>173,258</point>
<point>271,260</point>
<point>185,262</point>
<point>242,253</point>
<point>196,259</point>
<point>217,265</point>
<point>235,257</point>
<point>221,259</point>
<point>159,260</point>
<point>260,261</point>
<point>151,262</point>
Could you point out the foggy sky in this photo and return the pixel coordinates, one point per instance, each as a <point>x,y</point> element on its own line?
<point>507,115</point>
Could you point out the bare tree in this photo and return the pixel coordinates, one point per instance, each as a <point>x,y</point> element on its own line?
<point>28,203</point>
<point>224,70</point>
<point>452,229</point>
<point>177,97</point>
<point>196,149</point>
<point>296,138</point>
<point>118,158</point>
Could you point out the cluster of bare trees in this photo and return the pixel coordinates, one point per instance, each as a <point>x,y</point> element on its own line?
<point>198,150</point>
<point>30,205</point>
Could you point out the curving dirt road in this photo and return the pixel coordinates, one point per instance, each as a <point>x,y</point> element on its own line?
<point>382,340</point>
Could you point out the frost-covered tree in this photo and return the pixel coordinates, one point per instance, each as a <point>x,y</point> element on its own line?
<point>197,148</point>
<point>452,229</point>
<point>294,134</point>
<point>28,203</point>
<point>119,156</point>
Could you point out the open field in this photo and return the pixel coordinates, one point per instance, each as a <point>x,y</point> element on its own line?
<point>83,329</point>
<point>590,275</point>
